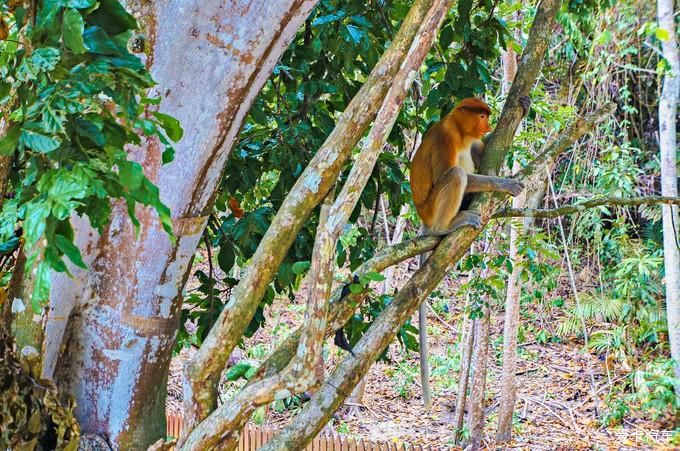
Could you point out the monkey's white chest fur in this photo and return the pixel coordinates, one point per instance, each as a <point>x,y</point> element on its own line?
<point>465,161</point>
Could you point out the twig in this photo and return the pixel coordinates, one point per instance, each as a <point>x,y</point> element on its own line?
<point>585,205</point>
<point>549,409</point>
<point>449,326</point>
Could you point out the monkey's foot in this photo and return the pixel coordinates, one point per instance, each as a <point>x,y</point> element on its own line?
<point>514,187</point>
<point>467,218</point>
<point>525,102</point>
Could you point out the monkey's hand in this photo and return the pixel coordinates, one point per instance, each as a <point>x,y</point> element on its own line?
<point>513,187</point>
<point>525,103</point>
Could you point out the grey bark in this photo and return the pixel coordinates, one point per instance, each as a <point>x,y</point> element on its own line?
<point>111,329</point>
<point>668,107</point>
<point>476,416</point>
<point>514,290</point>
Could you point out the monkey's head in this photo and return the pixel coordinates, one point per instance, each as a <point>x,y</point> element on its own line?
<point>472,115</point>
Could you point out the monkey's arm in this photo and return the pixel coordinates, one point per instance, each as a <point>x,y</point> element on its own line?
<point>486,183</point>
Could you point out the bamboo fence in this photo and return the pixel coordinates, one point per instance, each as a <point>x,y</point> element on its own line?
<point>254,437</point>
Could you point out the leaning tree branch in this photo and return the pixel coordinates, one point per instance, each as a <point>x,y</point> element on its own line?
<point>203,372</point>
<point>582,206</point>
<point>342,307</point>
<point>221,429</point>
<point>349,372</point>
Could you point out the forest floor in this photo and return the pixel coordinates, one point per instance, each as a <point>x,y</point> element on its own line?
<point>556,406</point>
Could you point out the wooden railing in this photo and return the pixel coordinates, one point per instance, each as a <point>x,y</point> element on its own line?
<point>254,437</point>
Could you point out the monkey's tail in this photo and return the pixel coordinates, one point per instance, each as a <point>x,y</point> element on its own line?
<point>422,334</point>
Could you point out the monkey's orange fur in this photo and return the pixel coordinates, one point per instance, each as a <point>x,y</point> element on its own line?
<point>447,144</point>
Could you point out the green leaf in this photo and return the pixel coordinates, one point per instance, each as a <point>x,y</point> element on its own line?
<point>80,4</point>
<point>353,35</point>
<point>73,31</point>
<point>238,371</point>
<point>48,12</point>
<point>300,267</point>
<point>356,288</point>
<point>9,245</point>
<point>41,286</point>
<point>131,175</point>
<point>97,41</point>
<point>8,143</point>
<point>374,276</point>
<point>5,89</point>
<point>328,18</point>
<point>44,59</point>
<point>69,249</point>
<point>35,214</point>
<point>112,17</point>
<point>38,142</point>
<point>168,154</point>
<point>226,257</point>
<point>171,126</point>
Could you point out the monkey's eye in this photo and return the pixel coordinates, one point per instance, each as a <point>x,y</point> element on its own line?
<point>482,116</point>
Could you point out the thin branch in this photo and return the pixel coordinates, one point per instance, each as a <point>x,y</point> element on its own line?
<point>585,205</point>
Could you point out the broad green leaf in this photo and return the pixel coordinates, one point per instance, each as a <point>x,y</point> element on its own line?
<point>131,176</point>
<point>39,142</point>
<point>67,188</point>
<point>374,276</point>
<point>356,288</point>
<point>171,126</point>
<point>328,18</point>
<point>112,17</point>
<point>5,89</point>
<point>35,214</point>
<point>353,34</point>
<point>73,31</point>
<point>97,41</point>
<point>238,371</point>
<point>8,143</point>
<point>53,121</point>
<point>69,249</point>
<point>168,154</point>
<point>91,131</point>
<point>48,12</point>
<point>300,267</point>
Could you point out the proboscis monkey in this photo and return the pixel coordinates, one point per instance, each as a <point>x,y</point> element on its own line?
<point>444,168</point>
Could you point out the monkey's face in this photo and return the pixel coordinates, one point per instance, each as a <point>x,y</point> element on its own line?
<point>483,126</point>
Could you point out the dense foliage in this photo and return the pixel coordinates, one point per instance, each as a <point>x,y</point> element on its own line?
<point>73,99</point>
<point>73,107</point>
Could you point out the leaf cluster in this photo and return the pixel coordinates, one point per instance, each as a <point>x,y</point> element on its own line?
<point>73,98</point>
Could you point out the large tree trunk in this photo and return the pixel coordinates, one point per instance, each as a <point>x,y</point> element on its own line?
<point>116,323</point>
<point>668,107</point>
